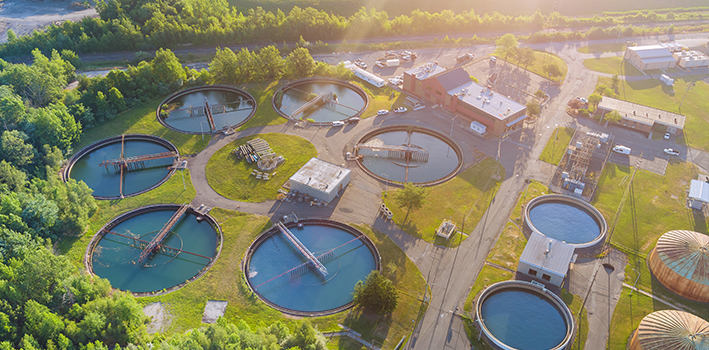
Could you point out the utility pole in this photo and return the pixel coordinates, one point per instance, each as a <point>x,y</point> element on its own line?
<point>689,87</point>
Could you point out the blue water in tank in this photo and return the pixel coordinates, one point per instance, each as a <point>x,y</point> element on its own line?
<point>564,222</point>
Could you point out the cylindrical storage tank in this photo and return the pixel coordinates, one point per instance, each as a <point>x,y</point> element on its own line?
<point>680,261</point>
<point>671,330</point>
<point>522,315</point>
<point>567,219</point>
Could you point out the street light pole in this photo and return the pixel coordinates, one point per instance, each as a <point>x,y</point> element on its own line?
<point>636,281</point>
<point>453,123</point>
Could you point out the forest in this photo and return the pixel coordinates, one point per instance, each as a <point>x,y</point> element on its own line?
<point>130,25</point>
<point>46,302</point>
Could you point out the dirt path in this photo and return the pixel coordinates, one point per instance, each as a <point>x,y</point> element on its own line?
<point>24,17</point>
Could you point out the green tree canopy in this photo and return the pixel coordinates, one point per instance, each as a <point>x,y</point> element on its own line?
<point>507,45</point>
<point>377,293</point>
<point>613,117</point>
<point>411,197</point>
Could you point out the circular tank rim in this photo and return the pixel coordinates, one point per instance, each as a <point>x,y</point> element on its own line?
<point>346,83</point>
<point>66,171</point>
<point>591,210</point>
<point>88,255</point>
<point>541,290</point>
<point>456,148</point>
<point>325,222</point>
<point>203,88</point>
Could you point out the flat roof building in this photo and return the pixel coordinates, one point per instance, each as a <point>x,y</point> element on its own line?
<point>640,117</point>
<point>546,259</point>
<point>486,110</point>
<point>320,179</point>
<point>650,57</point>
<point>691,59</point>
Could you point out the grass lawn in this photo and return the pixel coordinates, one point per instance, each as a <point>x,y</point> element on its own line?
<point>542,58</point>
<point>655,94</point>
<point>225,281</point>
<point>171,191</point>
<point>463,199</point>
<point>380,98</point>
<point>142,120</point>
<point>600,48</point>
<point>265,114</point>
<point>612,65</point>
<point>231,177</point>
<point>557,144</point>
<point>655,205</point>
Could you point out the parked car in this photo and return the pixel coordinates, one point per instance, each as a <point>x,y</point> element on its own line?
<point>362,65</point>
<point>493,59</point>
<point>667,136</point>
<point>671,152</point>
<point>353,120</point>
<point>621,149</point>
<point>382,112</point>
<point>380,64</point>
<point>582,99</point>
<point>395,81</point>
<point>401,110</point>
<point>337,123</point>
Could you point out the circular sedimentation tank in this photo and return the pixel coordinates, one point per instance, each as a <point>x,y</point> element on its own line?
<point>409,154</point>
<point>283,277</point>
<point>566,219</point>
<point>671,330</point>
<point>680,261</point>
<point>108,181</point>
<point>186,111</point>
<point>320,100</point>
<point>521,315</point>
<point>114,252</point>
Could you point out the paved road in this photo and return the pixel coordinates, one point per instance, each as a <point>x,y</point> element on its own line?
<point>451,272</point>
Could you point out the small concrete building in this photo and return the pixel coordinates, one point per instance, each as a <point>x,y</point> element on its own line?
<point>641,118</point>
<point>320,179</point>
<point>698,194</point>
<point>650,57</point>
<point>546,259</point>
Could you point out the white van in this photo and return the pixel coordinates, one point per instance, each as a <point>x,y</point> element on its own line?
<point>621,149</point>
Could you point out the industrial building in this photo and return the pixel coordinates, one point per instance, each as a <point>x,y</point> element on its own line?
<point>320,179</point>
<point>680,261</point>
<point>698,194</point>
<point>546,259</point>
<point>641,118</point>
<point>691,59</point>
<point>486,110</point>
<point>651,56</point>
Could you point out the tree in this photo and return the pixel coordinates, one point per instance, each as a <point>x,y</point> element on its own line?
<point>533,108</point>
<point>594,99</point>
<point>167,68</point>
<point>377,293</point>
<point>411,197</point>
<point>507,45</point>
<point>299,63</point>
<point>553,70</point>
<point>525,56</point>
<point>613,117</point>
<point>14,149</point>
<point>11,35</point>
<point>614,83</point>
<point>11,178</point>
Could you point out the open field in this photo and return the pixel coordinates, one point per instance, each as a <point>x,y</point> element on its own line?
<point>627,315</point>
<point>612,65</point>
<point>541,59</point>
<point>556,146</point>
<point>231,177</point>
<point>600,48</point>
<point>225,281</point>
<point>465,196</point>
<point>653,93</point>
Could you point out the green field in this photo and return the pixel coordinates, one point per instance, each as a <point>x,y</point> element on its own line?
<point>231,177</point>
<point>600,48</point>
<point>612,65</point>
<point>652,93</point>
<point>542,58</point>
<point>465,196</point>
<point>557,144</point>
<point>225,281</point>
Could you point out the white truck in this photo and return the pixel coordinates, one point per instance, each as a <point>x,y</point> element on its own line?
<point>392,63</point>
<point>621,149</point>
